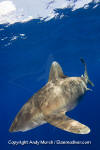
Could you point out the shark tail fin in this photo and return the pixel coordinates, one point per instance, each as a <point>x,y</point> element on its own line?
<point>86,77</point>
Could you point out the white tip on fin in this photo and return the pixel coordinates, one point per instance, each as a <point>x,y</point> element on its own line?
<point>65,123</point>
<point>56,72</point>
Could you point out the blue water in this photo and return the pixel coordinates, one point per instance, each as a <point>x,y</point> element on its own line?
<point>24,69</point>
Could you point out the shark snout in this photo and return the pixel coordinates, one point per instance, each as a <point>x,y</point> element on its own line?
<point>11,129</point>
<point>14,127</point>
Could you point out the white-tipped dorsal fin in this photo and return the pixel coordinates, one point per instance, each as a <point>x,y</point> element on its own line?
<point>56,72</point>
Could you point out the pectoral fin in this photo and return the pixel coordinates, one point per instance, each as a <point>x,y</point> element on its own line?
<point>65,123</point>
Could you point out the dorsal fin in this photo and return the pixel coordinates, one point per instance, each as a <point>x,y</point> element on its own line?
<point>56,72</point>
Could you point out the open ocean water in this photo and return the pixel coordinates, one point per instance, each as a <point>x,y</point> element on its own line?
<point>26,53</point>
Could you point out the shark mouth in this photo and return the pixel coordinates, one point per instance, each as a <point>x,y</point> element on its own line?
<point>12,11</point>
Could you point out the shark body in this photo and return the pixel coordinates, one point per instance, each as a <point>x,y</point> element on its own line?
<point>49,105</point>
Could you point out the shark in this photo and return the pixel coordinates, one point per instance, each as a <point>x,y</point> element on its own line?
<point>52,102</point>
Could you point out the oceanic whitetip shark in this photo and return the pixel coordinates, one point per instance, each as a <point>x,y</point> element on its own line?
<point>50,104</point>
